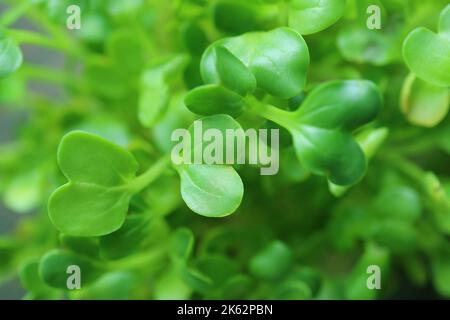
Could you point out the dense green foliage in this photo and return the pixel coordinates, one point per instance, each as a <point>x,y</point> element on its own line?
<point>364,175</point>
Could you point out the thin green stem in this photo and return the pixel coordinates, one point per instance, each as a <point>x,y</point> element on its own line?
<point>417,147</point>
<point>34,38</point>
<point>282,117</point>
<point>405,166</point>
<point>153,258</point>
<point>150,175</point>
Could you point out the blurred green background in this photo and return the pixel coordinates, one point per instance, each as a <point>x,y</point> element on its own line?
<point>291,238</point>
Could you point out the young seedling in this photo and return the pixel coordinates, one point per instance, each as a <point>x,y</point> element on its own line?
<point>102,180</point>
<point>321,127</point>
<point>427,53</point>
<point>425,96</point>
<point>117,89</point>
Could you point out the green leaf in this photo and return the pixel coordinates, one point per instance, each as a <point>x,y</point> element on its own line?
<point>341,105</point>
<point>210,273</point>
<point>172,286</point>
<point>211,190</point>
<point>177,116</point>
<point>294,290</point>
<point>128,239</point>
<point>153,102</point>
<point>272,262</point>
<point>54,265</point>
<point>118,285</point>
<point>397,235</point>
<point>81,245</point>
<point>31,281</point>
<point>23,194</point>
<point>222,67</point>
<point>330,153</point>
<point>237,287</point>
<point>96,27</point>
<point>213,99</point>
<point>356,282</point>
<point>196,280</point>
<point>441,273</point>
<point>10,56</point>
<point>220,123</point>
<point>193,38</point>
<point>278,59</point>
<point>427,54</point>
<point>311,16</point>
<point>126,50</point>
<point>309,276</point>
<point>321,140</point>
<point>245,16</point>
<point>423,103</point>
<point>182,244</point>
<point>405,203</point>
<point>155,92</point>
<point>95,201</point>
<point>107,80</point>
<point>361,45</point>
<point>370,140</point>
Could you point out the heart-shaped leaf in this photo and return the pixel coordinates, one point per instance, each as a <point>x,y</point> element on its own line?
<point>427,54</point>
<point>311,16</point>
<point>211,190</point>
<point>321,134</point>
<point>95,201</point>
<point>424,103</point>
<point>10,56</point>
<point>280,54</point>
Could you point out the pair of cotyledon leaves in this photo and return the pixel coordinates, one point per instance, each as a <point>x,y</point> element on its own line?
<point>102,180</point>
<point>276,62</point>
<point>426,96</point>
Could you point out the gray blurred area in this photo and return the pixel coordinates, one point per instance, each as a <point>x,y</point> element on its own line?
<point>12,120</point>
